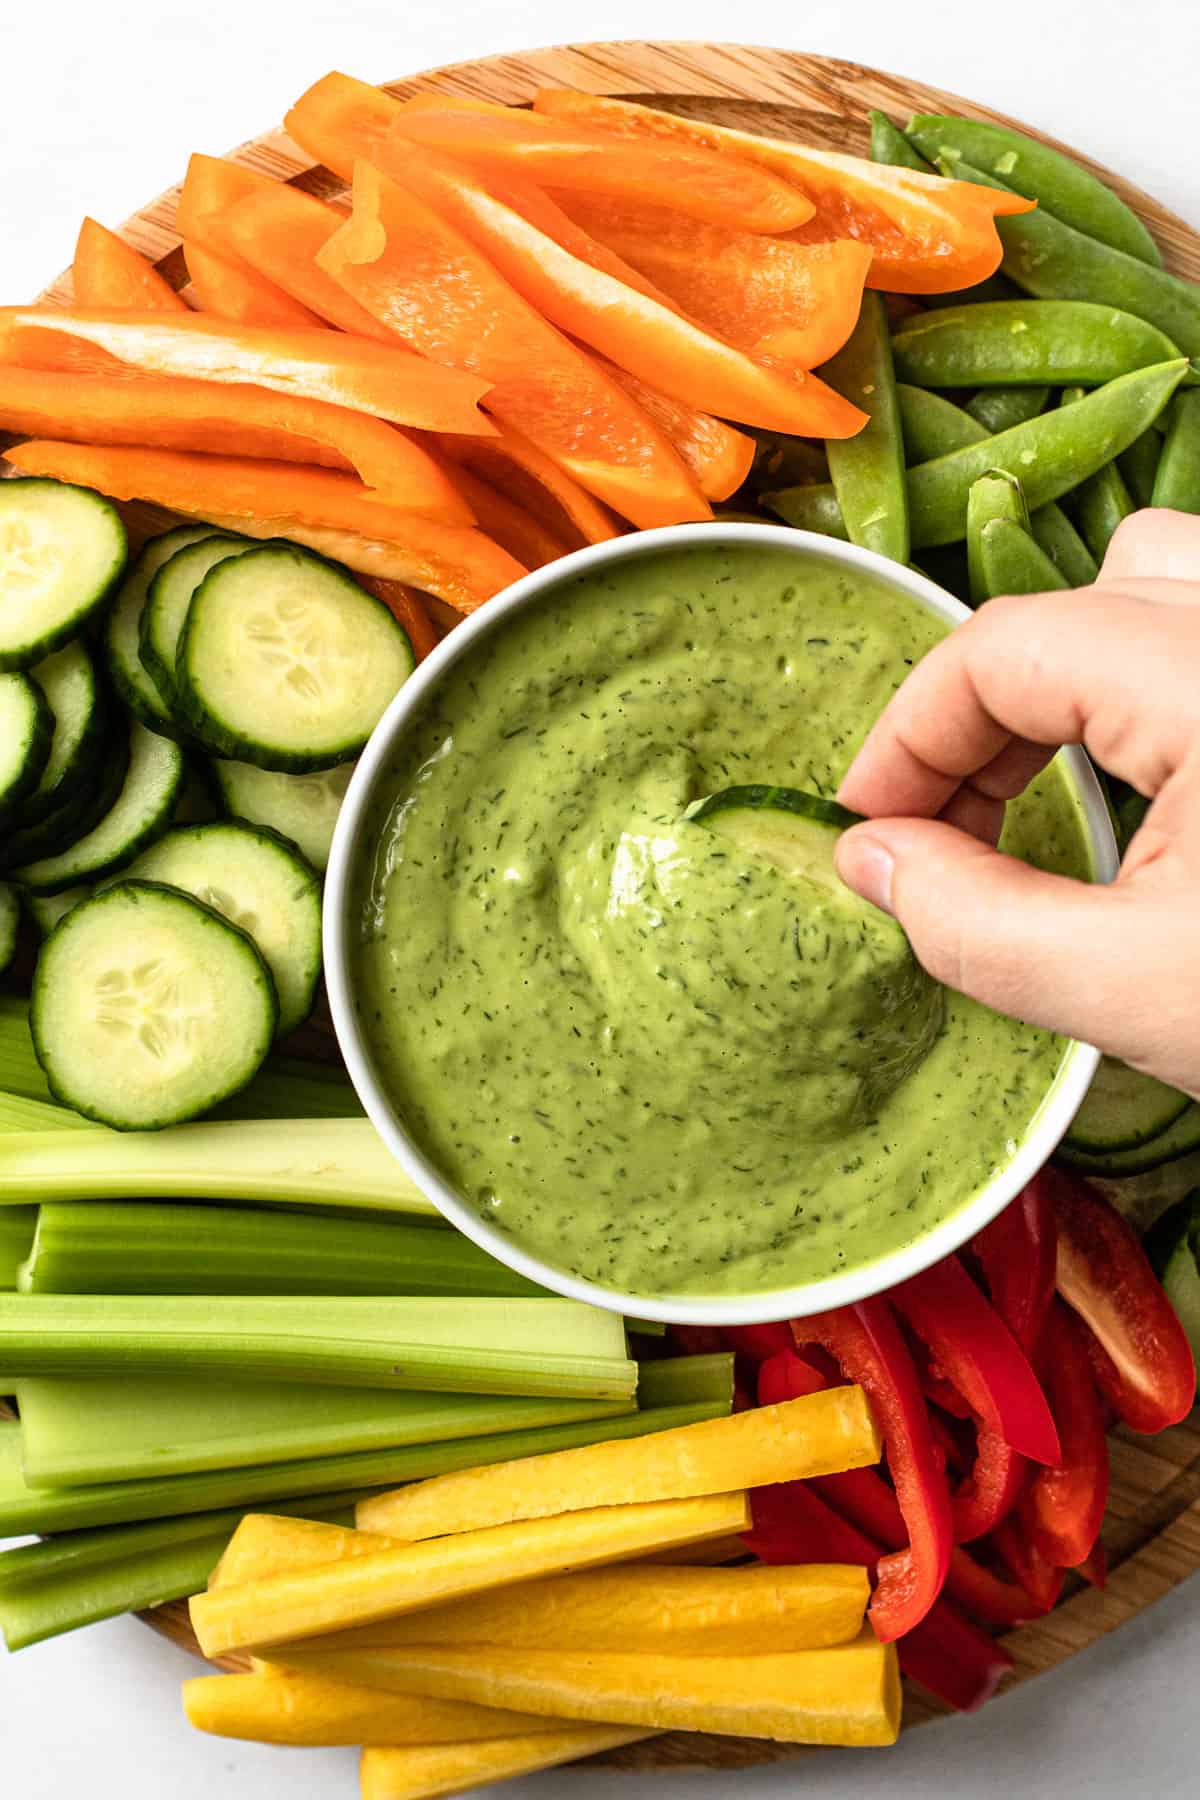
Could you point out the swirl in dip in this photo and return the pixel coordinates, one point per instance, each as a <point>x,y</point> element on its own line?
<point>659,1062</point>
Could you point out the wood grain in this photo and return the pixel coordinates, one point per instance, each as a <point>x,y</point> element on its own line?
<point>1153,1529</point>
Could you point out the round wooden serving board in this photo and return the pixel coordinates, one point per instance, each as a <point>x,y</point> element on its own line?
<point>1152,1532</point>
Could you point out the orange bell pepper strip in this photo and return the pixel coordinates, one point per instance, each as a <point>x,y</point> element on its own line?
<point>224,286</point>
<point>341,121</point>
<point>928,235</point>
<point>626,325</point>
<point>160,413</point>
<point>334,513</point>
<point>109,272</point>
<point>419,274</point>
<point>575,155</point>
<point>407,607</point>
<point>514,529</point>
<point>387,382</point>
<point>519,469</point>
<point>272,232</point>
<point>783,302</point>
<point>719,457</point>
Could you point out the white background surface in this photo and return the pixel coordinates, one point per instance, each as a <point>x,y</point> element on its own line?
<point>99,107</point>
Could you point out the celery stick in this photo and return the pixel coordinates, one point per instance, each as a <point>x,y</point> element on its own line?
<point>138,1247</point>
<point>117,1429</point>
<point>317,1162</point>
<point>17,1227</point>
<point>18,1113</point>
<point>57,1586</point>
<point>686,1380</point>
<point>285,1088</point>
<point>490,1346</point>
<point>23,1508</point>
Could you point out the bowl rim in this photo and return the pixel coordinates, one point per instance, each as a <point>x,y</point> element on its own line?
<point>1063,1098</point>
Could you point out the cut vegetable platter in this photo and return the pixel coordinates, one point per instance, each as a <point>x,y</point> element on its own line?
<point>1152,1528</point>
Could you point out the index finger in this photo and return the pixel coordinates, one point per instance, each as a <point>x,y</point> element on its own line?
<point>1095,666</point>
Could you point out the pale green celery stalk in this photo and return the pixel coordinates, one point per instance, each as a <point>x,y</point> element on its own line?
<point>490,1346</point>
<point>340,1163</point>
<point>686,1380</point>
<point>26,1509</point>
<point>139,1247</point>
<point>17,1229</point>
<point>285,1088</point>
<point>646,1327</point>
<point>103,1429</point>
<point>18,1113</point>
<point>60,1585</point>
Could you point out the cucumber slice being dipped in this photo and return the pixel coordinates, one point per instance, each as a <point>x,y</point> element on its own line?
<point>128,674</point>
<point>254,879</point>
<point>166,609</point>
<point>62,551</point>
<point>1123,1109</point>
<point>26,730</point>
<point>148,1007</point>
<point>140,812</point>
<point>302,808</point>
<point>286,662</point>
<point>787,827</point>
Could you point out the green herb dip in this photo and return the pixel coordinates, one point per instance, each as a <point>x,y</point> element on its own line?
<point>635,1050</point>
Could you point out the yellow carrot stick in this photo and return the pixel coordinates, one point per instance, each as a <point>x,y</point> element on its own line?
<point>363,1590</point>
<point>846,1695</point>
<point>423,1774</point>
<point>817,1435</point>
<point>265,1544</point>
<point>287,1707</point>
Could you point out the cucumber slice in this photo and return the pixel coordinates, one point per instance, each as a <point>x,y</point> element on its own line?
<point>285,661</point>
<point>140,813</point>
<point>47,909</point>
<point>129,678</point>
<point>26,729</point>
<point>80,811</point>
<point>1123,1109</point>
<point>62,551</point>
<point>148,1008</point>
<point>794,831</point>
<point>262,885</point>
<point>1179,1139</point>
<point>68,681</point>
<point>1171,1244</point>
<point>302,808</point>
<point>10,918</point>
<point>167,602</point>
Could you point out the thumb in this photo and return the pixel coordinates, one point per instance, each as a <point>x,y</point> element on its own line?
<point>1038,947</point>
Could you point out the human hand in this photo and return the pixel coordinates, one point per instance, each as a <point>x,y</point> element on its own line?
<point>1116,668</point>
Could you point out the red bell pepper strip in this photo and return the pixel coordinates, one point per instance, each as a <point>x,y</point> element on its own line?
<point>1064,1507</point>
<point>1094,1567</point>
<point>1018,1251</point>
<point>989,1490</point>
<point>758,1342</point>
<point>866,1343</point>
<point>989,1595</point>
<point>1139,1351</point>
<point>1041,1578</point>
<point>973,1348</point>
<point>696,1340</point>
<point>946,1653</point>
<point>786,1376</point>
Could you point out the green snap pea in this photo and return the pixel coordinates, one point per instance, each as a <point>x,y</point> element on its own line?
<point>1177,482</point>
<point>890,145</point>
<point>1101,501</point>
<point>998,409</point>
<point>933,425</point>
<point>1013,562</point>
<point>810,507</point>
<point>1058,538</point>
<point>1031,168</point>
<point>1056,262</point>
<point>996,495</point>
<point>1139,465</point>
<point>1050,454</point>
<point>781,461</point>
<point>867,470</point>
<point>1025,342</point>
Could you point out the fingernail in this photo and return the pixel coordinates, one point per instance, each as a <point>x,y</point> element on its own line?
<point>867,866</point>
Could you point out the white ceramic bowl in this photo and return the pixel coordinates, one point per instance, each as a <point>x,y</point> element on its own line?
<point>1057,1111</point>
